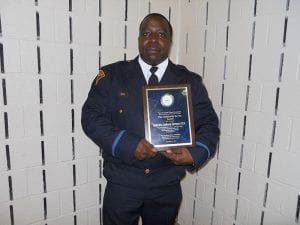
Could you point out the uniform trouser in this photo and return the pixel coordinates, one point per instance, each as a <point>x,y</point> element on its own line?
<point>124,205</point>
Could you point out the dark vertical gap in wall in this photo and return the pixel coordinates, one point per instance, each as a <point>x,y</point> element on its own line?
<point>36,2</point>
<point>71,61</point>
<point>8,162</point>
<point>250,67</point>
<point>100,168</point>
<point>203,67</point>
<point>194,206</point>
<point>6,132</point>
<point>262,218</point>
<point>280,67</point>
<point>170,14</point>
<point>126,10</point>
<point>244,127</point>
<point>214,199</point>
<point>255,8</point>
<point>42,123</point>
<point>125,37</point>
<point>74,175</point>
<point>45,208</point>
<point>4,92</point>
<point>38,52</point>
<point>73,149</point>
<point>10,186</point>
<point>75,220</point>
<point>227,36</point>
<point>73,120</point>
<point>100,32</point>
<point>247,97</point>
<point>0,26</point>
<point>70,29</point>
<point>196,187</point>
<point>74,201</point>
<point>225,67</point>
<point>216,174</point>
<point>253,34</point>
<point>44,181</point>
<point>100,8</point>
<point>269,164</point>
<point>100,216</point>
<point>236,209</point>
<point>41,90</point>
<point>72,91</point>
<point>1,58</point>
<point>206,14</point>
<point>100,194</point>
<point>228,10</point>
<point>11,212</point>
<point>70,6</point>
<point>277,100</point>
<point>273,133</point>
<point>266,194</point>
<point>212,218</point>
<point>241,156</point>
<point>287,5</point>
<point>37,18</point>
<point>284,31</point>
<point>125,56</point>
<point>222,95</point>
<point>99,59</point>
<point>298,209</point>
<point>149,7</point>
<point>43,152</point>
<point>238,184</point>
<point>205,40</point>
<point>186,42</point>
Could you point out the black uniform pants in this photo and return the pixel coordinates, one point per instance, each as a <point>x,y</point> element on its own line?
<point>156,206</point>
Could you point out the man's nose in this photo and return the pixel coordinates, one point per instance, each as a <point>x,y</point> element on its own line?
<point>154,37</point>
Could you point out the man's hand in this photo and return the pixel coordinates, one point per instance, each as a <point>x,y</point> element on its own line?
<point>179,155</point>
<point>144,150</point>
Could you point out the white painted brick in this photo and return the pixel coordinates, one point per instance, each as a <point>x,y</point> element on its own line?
<point>286,130</point>
<point>293,34</point>
<point>276,30</point>
<point>59,176</point>
<point>107,36</point>
<point>285,168</point>
<point>66,204</point>
<point>35,180</point>
<point>259,128</point>
<point>94,216</point>
<point>86,195</point>
<point>31,121</point>
<point>55,58</point>
<point>255,97</point>
<point>64,90</point>
<point>11,50</point>
<point>188,185</point>
<point>65,220</point>
<point>3,160</point>
<point>218,11</point>
<point>28,52</point>
<point>47,19</point>
<point>249,155</point>
<point>220,38</point>
<point>273,218</point>
<point>209,194</point>
<point>262,159</point>
<point>92,54</point>
<point>202,214</point>
<point>230,150</point>
<point>242,211</point>
<point>51,149</point>
<point>4,194</point>
<point>289,94</point>
<point>19,184</point>
<point>225,202</point>
<point>53,205</point>
<point>252,187</point>
<point>217,218</point>
<point>25,215</point>
<point>119,35</point>
<point>25,153</point>
<point>227,177</point>
<point>82,217</point>
<point>291,65</point>
<point>200,189</point>
<point>237,124</point>
<point>254,215</point>
<point>226,122</point>
<point>92,7</point>
<point>113,9</point>
<point>49,84</point>
<point>81,171</point>
<point>278,6</point>
<point>18,20</point>
<point>295,136</point>
<point>55,4</point>
<point>230,98</point>
<point>4,214</point>
<point>268,97</point>
<point>85,147</point>
<point>93,169</point>
<point>79,57</point>
<point>61,25</point>
<point>78,6</point>
<point>208,171</point>
<point>111,55</point>
<point>64,144</point>
<point>240,9</point>
<point>186,210</point>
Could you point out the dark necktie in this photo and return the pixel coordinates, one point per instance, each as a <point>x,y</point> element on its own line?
<point>153,80</point>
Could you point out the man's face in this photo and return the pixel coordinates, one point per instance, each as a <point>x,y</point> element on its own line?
<point>154,40</point>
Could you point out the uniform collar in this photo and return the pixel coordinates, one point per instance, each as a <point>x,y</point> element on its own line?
<point>146,68</point>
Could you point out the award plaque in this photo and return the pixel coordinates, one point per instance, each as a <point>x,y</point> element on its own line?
<point>168,115</point>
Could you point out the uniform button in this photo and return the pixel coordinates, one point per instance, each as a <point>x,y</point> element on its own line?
<point>146,171</point>
<point>120,110</point>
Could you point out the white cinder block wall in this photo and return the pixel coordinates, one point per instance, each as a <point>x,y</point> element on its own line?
<point>248,53</point>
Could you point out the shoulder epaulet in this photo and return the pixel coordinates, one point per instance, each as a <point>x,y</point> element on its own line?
<point>100,75</point>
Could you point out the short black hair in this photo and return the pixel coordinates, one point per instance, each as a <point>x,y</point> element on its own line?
<point>161,16</point>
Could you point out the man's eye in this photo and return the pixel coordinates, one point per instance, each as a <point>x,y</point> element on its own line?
<point>146,34</point>
<point>162,35</point>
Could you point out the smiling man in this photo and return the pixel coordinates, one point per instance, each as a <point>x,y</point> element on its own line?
<point>142,181</point>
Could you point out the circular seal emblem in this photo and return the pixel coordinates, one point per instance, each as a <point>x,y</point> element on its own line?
<point>167,100</point>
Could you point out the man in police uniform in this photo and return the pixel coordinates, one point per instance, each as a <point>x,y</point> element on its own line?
<point>142,181</point>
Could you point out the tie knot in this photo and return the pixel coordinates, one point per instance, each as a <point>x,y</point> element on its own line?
<point>153,69</point>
